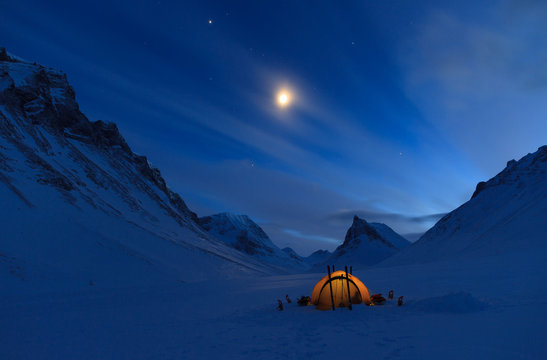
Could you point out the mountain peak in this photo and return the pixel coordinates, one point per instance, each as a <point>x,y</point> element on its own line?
<point>289,251</point>
<point>361,227</point>
<point>4,56</point>
<point>243,234</point>
<point>365,244</point>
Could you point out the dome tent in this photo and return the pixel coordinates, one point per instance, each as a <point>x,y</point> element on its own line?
<point>339,283</point>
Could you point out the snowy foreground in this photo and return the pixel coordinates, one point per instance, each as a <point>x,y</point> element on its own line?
<point>489,308</point>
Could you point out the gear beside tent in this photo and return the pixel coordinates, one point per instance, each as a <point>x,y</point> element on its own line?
<point>346,289</point>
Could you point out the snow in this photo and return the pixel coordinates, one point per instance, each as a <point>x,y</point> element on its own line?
<point>16,57</point>
<point>57,95</point>
<point>317,257</point>
<point>453,310</point>
<point>387,233</point>
<point>457,303</point>
<point>19,72</point>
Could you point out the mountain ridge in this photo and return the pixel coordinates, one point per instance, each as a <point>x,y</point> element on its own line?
<point>110,205</point>
<point>505,213</point>
<point>243,234</point>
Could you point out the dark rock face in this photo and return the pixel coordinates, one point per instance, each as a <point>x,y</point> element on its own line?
<point>4,55</point>
<point>480,187</point>
<point>107,135</point>
<point>246,244</point>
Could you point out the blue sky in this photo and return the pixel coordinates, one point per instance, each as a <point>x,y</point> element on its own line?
<point>398,107</point>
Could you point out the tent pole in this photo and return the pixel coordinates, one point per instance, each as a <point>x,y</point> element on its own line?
<point>330,284</point>
<point>347,282</point>
<point>351,270</point>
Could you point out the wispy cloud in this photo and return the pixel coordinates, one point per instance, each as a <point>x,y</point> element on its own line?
<point>375,216</point>
<point>298,234</point>
<point>411,225</point>
<point>481,81</point>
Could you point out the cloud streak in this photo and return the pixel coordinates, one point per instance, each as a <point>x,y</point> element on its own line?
<point>385,217</point>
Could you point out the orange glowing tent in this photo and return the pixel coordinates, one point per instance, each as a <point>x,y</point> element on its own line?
<point>342,284</point>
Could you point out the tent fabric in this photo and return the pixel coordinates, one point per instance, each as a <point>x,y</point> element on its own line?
<point>358,292</point>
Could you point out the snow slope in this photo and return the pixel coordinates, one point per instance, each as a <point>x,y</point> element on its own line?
<point>390,235</point>
<point>318,256</point>
<point>508,213</point>
<point>243,234</point>
<point>364,245</point>
<point>293,254</point>
<point>80,208</point>
<point>490,308</point>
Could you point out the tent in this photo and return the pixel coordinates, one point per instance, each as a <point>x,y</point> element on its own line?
<point>338,282</point>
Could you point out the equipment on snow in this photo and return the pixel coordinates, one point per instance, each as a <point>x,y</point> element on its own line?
<point>304,301</point>
<point>279,305</point>
<point>288,299</point>
<point>400,301</point>
<point>390,294</point>
<point>378,299</point>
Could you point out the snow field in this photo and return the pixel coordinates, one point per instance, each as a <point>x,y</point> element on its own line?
<point>494,308</point>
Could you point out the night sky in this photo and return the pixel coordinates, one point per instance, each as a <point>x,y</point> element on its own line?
<point>396,108</point>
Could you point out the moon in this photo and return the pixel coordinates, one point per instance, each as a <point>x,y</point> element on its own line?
<point>283,98</point>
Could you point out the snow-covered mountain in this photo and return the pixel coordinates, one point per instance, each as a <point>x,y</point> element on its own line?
<point>78,205</point>
<point>365,244</point>
<point>293,254</point>
<point>243,234</point>
<point>508,213</point>
<point>317,257</point>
